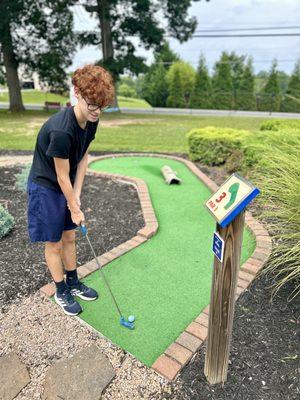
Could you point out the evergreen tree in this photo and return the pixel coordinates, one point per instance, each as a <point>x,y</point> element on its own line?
<point>201,94</point>
<point>222,85</point>
<point>185,73</point>
<point>155,87</point>
<point>176,97</point>
<point>270,95</point>
<point>166,56</point>
<point>237,70</point>
<point>245,96</point>
<point>291,100</point>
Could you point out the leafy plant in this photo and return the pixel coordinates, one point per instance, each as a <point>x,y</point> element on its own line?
<point>6,221</point>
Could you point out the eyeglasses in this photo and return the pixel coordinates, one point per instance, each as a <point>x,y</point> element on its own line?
<point>94,107</point>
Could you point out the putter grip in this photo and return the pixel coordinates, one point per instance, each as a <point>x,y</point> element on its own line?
<point>83,228</point>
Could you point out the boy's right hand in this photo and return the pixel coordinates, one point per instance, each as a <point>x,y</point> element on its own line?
<point>77,216</point>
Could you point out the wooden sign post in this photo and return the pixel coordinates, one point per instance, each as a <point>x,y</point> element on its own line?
<point>228,208</point>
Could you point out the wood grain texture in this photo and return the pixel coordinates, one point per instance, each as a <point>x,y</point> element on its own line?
<point>222,303</point>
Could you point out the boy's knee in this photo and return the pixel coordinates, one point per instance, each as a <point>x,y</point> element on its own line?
<point>55,247</point>
<point>68,236</point>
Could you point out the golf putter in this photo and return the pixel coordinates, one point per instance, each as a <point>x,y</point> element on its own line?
<point>127,323</point>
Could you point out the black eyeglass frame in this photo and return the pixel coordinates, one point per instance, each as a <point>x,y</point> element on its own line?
<point>94,107</point>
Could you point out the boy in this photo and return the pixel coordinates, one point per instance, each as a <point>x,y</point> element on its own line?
<point>56,178</point>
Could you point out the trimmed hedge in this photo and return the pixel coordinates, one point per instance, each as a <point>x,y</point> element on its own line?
<point>6,221</point>
<point>280,124</point>
<point>215,146</point>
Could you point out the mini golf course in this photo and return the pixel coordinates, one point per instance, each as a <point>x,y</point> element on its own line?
<point>166,281</point>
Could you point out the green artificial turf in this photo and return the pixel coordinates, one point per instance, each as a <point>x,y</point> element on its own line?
<point>165,282</point>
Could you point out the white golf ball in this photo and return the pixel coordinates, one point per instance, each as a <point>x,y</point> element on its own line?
<point>131,318</point>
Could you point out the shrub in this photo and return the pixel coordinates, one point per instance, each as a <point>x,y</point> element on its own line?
<point>6,221</point>
<point>279,124</point>
<point>22,177</point>
<point>278,175</point>
<point>270,159</point>
<point>214,146</point>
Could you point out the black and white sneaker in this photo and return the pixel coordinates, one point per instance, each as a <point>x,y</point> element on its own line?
<point>81,290</point>
<point>68,303</point>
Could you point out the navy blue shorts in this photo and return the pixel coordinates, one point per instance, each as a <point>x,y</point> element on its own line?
<point>47,214</point>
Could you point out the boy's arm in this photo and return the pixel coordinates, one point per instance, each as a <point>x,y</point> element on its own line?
<point>80,174</point>
<point>62,167</point>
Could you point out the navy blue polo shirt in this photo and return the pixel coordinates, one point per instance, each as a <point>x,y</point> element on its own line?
<point>62,137</point>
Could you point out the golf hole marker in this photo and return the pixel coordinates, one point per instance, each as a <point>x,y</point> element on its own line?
<point>230,199</point>
<point>227,205</point>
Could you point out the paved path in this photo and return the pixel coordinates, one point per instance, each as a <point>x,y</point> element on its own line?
<point>9,160</point>
<point>185,111</point>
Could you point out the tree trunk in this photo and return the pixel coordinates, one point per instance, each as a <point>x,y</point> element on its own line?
<point>11,71</point>
<point>106,38</point>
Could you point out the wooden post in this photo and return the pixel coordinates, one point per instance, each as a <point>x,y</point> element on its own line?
<point>222,301</point>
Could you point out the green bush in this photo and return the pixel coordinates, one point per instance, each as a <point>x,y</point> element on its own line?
<point>270,159</point>
<point>216,146</point>
<point>279,124</point>
<point>6,222</point>
<point>22,177</point>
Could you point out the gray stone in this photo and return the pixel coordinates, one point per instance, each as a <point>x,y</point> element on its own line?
<point>83,376</point>
<point>13,376</point>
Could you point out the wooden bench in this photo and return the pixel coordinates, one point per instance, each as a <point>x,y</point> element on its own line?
<point>52,105</point>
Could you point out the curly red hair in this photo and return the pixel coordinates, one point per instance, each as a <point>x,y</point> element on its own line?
<point>95,84</point>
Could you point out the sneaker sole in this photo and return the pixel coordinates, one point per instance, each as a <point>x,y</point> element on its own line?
<point>81,296</point>
<point>65,311</point>
<point>86,298</point>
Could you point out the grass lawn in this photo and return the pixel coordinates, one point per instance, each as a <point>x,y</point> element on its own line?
<point>157,133</point>
<point>37,97</point>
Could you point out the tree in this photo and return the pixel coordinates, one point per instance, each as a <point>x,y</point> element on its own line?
<point>291,100</point>
<point>166,56</point>
<point>222,85</point>
<point>237,67</point>
<point>176,96</point>
<point>155,87</point>
<point>2,75</point>
<point>185,74</point>
<point>201,93</point>
<point>37,34</point>
<point>126,90</point>
<point>245,96</point>
<point>120,19</point>
<point>270,95</point>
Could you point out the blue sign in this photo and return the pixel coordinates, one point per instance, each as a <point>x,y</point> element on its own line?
<point>218,246</point>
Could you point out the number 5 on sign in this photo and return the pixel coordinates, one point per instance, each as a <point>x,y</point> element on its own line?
<point>230,199</point>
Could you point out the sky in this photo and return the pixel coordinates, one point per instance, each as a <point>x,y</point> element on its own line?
<point>224,14</point>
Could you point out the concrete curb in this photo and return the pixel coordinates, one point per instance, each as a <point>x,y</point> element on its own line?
<point>177,355</point>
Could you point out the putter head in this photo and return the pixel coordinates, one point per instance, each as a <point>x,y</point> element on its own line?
<point>83,228</point>
<point>127,324</point>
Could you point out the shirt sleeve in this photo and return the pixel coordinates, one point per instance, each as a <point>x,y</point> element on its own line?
<point>60,144</point>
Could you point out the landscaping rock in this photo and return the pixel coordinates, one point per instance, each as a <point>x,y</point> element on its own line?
<point>13,376</point>
<point>83,376</point>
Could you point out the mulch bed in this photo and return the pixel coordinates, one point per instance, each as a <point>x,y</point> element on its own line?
<point>264,354</point>
<point>112,213</point>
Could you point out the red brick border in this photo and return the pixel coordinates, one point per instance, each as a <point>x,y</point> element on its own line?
<point>176,356</point>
